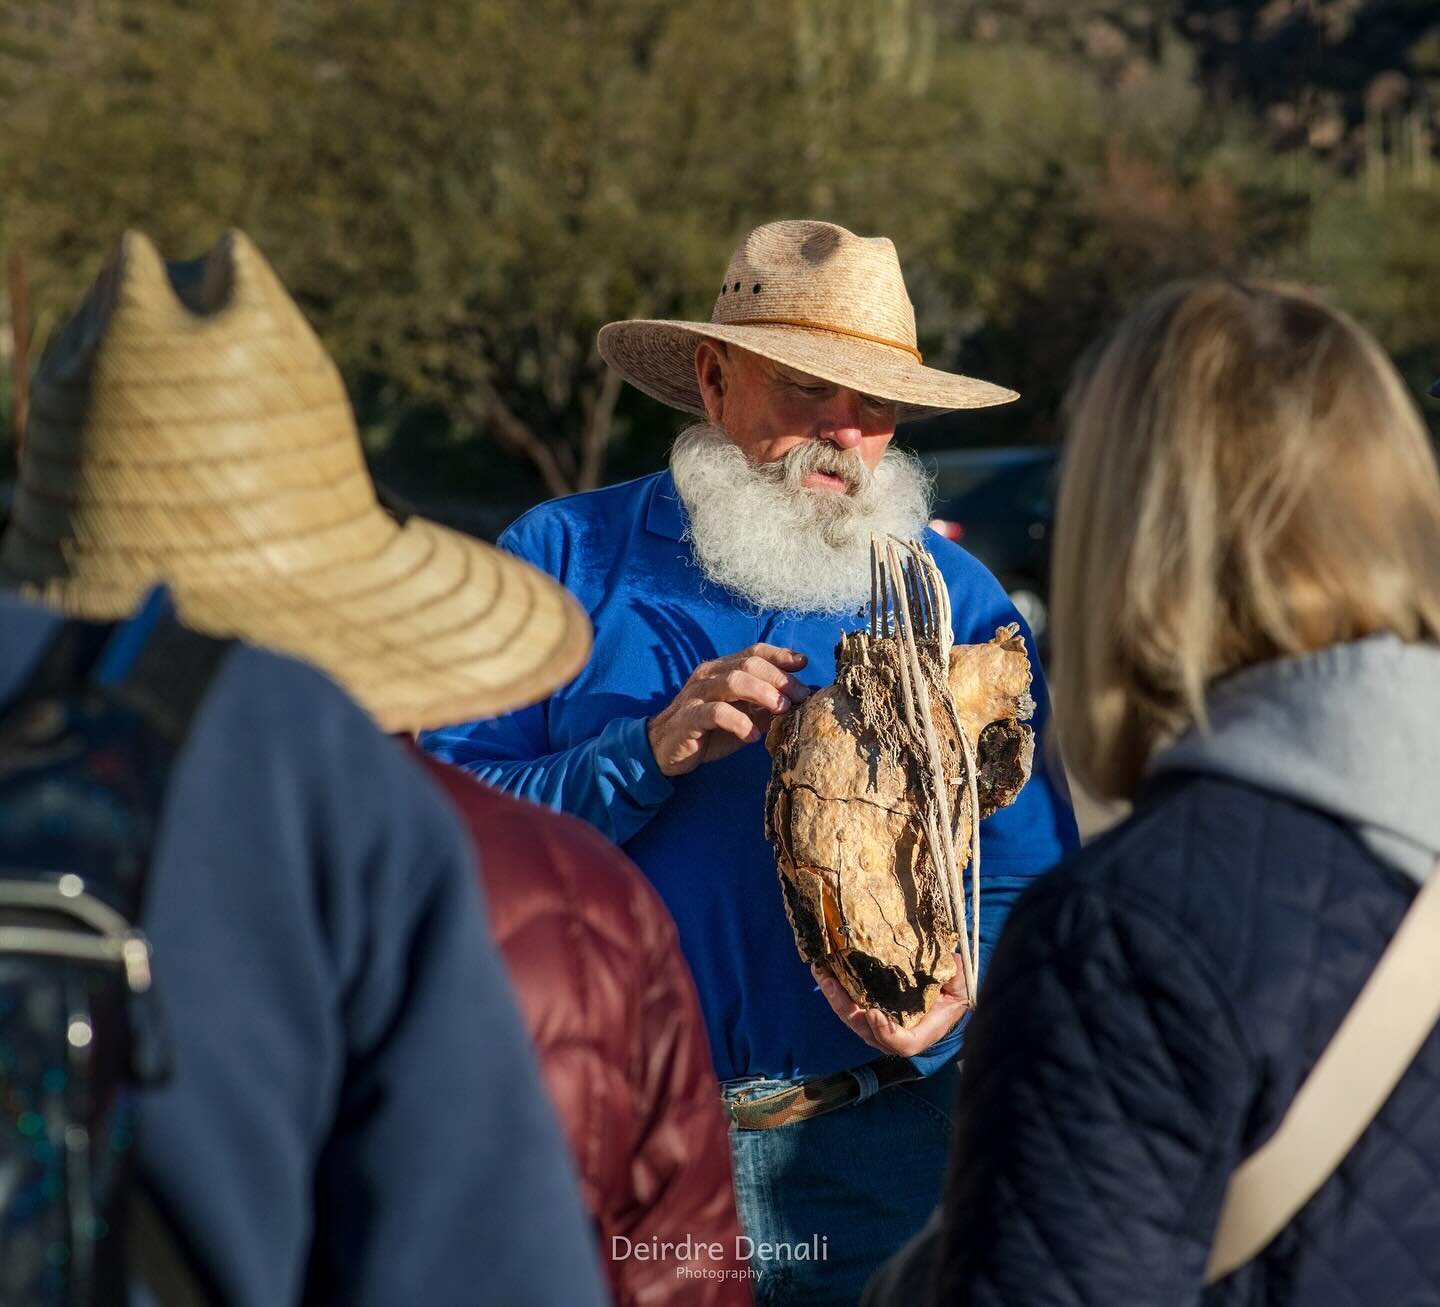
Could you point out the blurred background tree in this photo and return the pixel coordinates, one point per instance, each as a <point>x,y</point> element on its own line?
<point>461,192</point>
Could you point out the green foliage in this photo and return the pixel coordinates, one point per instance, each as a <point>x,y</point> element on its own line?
<point>461,192</point>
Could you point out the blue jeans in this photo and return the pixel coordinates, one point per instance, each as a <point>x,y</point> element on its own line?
<point>825,1201</point>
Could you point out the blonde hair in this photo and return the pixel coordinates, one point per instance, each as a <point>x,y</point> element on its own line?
<point>1245,478</point>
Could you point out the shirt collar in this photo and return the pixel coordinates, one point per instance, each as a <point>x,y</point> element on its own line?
<point>666,515</point>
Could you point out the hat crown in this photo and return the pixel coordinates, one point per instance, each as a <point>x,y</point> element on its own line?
<point>816,273</point>
<point>186,422</point>
<point>208,302</point>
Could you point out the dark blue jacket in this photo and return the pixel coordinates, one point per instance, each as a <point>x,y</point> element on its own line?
<point>355,1116</point>
<point>1152,1008</point>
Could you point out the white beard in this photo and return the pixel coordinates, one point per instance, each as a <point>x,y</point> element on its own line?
<point>783,546</point>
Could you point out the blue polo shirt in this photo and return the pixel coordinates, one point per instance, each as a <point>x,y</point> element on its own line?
<point>700,838</point>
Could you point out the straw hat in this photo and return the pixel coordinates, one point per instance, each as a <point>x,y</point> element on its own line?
<point>814,297</point>
<point>188,426</point>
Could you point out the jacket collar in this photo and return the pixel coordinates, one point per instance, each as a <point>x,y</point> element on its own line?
<point>666,515</point>
<point>1348,729</point>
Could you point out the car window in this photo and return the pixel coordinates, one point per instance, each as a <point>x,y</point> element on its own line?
<point>1034,490</point>
<point>953,479</point>
<point>1025,486</point>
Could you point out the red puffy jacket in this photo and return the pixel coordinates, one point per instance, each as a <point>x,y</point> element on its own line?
<point>610,1004</point>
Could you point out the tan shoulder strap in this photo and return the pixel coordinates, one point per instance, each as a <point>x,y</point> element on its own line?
<point>1375,1044</point>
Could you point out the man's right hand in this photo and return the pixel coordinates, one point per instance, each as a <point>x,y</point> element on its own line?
<point>725,704</point>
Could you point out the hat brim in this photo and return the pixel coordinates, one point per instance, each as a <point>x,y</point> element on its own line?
<point>658,357</point>
<point>431,628</point>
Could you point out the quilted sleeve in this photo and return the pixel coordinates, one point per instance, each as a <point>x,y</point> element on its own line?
<point>1101,1113</point>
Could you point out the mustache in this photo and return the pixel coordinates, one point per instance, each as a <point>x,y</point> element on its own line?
<point>813,456</point>
<point>779,545</point>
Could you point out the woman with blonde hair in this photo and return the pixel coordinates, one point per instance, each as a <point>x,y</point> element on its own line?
<point>1247,641</point>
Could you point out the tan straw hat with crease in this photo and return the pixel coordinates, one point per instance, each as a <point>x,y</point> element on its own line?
<point>188,426</point>
<point>814,297</point>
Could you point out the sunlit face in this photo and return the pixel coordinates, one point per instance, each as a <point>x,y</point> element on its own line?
<point>768,409</point>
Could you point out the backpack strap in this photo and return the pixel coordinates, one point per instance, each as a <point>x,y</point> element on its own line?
<point>156,666</point>
<point>155,1257</point>
<point>1377,1041</point>
<point>163,671</point>
<point>66,663</point>
<point>168,677</point>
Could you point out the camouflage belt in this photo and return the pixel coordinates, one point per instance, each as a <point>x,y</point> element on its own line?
<point>818,1095</point>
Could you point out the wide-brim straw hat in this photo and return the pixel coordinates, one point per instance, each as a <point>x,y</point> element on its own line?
<point>187,426</point>
<point>816,298</point>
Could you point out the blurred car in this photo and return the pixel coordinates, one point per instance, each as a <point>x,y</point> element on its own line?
<point>1000,504</point>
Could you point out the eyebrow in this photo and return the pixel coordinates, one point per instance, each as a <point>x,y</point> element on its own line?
<point>806,379</point>
<point>796,378</point>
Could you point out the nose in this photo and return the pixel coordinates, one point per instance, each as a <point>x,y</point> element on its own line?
<point>841,424</point>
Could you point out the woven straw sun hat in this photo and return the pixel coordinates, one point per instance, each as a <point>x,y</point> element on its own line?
<point>188,426</point>
<point>816,298</point>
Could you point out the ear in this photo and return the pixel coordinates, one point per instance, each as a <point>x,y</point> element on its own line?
<point>710,377</point>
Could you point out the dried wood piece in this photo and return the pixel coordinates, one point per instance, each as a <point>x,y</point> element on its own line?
<point>864,895</point>
<point>874,787</point>
<point>991,686</point>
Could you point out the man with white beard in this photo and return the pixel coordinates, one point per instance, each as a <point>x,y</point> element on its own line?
<point>713,586</point>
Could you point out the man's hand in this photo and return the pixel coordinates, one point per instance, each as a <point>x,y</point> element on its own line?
<point>881,1033</point>
<point>725,704</point>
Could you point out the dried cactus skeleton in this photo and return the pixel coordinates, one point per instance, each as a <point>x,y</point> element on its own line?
<point>878,785</point>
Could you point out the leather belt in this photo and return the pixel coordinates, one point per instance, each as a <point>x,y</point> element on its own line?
<point>819,1094</point>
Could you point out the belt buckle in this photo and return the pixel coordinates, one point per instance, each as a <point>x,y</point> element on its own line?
<point>800,1101</point>
<point>783,1099</point>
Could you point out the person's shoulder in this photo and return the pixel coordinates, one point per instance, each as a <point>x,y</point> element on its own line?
<point>266,693</point>
<point>1139,900</point>
<point>356,815</point>
<point>528,852</point>
<point>1219,862</point>
<point>570,512</point>
<point>21,614</point>
<point>265,705</point>
<point>1151,855</point>
<point>270,692</point>
<point>1194,821</point>
<point>24,630</point>
<point>285,698</point>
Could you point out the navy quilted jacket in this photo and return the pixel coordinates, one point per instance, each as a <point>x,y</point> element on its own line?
<point>1150,1012</point>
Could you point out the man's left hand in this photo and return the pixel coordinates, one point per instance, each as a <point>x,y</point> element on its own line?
<point>880,1032</point>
